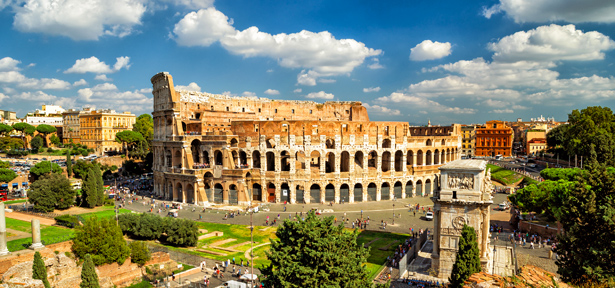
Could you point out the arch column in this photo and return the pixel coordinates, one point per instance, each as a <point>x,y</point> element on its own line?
<point>351,192</point>
<point>292,189</point>
<point>184,192</point>
<point>225,194</point>
<point>378,191</point>
<point>403,189</point>
<point>413,159</point>
<point>351,163</point>
<point>379,163</point>
<point>337,194</point>
<point>413,189</point>
<point>392,163</point>
<point>404,167</point>
<point>292,160</point>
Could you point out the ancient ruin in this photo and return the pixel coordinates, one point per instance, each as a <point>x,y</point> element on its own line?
<point>464,197</point>
<point>4,250</point>
<point>36,235</point>
<point>219,149</point>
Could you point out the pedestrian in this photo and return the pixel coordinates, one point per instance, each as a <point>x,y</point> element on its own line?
<point>414,213</point>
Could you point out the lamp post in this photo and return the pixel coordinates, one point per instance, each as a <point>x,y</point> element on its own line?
<point>393,213</point>
<point>252,248</point>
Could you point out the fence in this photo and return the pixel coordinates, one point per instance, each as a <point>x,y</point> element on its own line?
<point>178,256</point>
<point>30,210</point>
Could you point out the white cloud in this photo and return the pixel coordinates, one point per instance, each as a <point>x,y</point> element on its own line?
<point>272,92</point>
<point>298,90</point>
<point>428,50</point>
<point>81,82</point>
<point>38,96</point>
<point>248,94</point>
<point>327,80</point>
<point>93,65</point>
<point>11,77</point>
<point>307,78</point>
<point>320,95</point>
<point>377,109</point>
<point>107,95</point>
<point>552,43</point>
<point>194,4</point>
<point>8,64</point>
<point>102,77</point>
<point>2,96</point>
<point>422,104</point>
<point>495,103</point>
<point>375,64</point>
<point>45,84</point>
<point>191,87</point>
<point>320,53</point>
<point>502,111</point>
<point>574,11</point>
<point>371,89</point>
<point>78,19</point>
<point>269,70</point>
<point>202,28</point>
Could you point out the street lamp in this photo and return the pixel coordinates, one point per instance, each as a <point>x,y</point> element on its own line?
<point>393,213</point>
<point>252,247</point>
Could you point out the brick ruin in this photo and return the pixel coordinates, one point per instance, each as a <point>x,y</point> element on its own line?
<point>232,150</point>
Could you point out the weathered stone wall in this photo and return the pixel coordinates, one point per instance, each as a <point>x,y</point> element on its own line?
<point>215,148</point>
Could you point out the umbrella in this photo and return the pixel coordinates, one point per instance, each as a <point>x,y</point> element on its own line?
<point>249,276</point>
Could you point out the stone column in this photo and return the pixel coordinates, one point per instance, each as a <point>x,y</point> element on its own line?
<point>3,249</point>
<point>36,235</point>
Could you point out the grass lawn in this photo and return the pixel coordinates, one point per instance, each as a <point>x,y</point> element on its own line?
<point>142,284</point>
<point>19,225</point>
<point>105,212</point>
<point>49,234</point>
<point>185,267</point>
<point>377,257</point>
<point>15,201</point>
<point>504,176</point>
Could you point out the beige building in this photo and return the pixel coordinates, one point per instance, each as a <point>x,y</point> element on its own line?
<point>468,140</point>
<point>98,128</point>
<point>535,140</point>
<point>71,125</point>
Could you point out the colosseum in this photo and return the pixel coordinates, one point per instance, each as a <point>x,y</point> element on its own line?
<point>234,150</point>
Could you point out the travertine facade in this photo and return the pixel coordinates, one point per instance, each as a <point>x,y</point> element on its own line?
<point>98,128</point>
<point>464,198</point>
<point>214,148</point>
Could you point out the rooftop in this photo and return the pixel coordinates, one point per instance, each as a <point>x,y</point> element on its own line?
<point>465,164</point>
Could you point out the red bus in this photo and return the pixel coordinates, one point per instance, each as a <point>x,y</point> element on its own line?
<point>4,192</point>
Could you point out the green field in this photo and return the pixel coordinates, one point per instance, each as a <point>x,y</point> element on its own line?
<point>504,176</point>
<point>49,234</point>
<point>377,257</point>
<point>15,201</point>
<point>104,212</point>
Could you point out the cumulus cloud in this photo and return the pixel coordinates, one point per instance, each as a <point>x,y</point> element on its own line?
<point>194,4</point>
<point>574,11</point>
<point>102,77</point>
<point>8,64</point>
<point>298,90</point>
<point>272,92</point>
<point>423,104</point>
<point>80,82</point>
<point>502,111</point>
<point>108,95</point>
<point>371,89</point>
<point>320,95</point>
<point>93,65</point>
<point>2,96</point>
<point>320,53</point>
<point>79,20</point>
<point>375,64</point>
<point>248,94</point>
<point>428,50</point>
<point>191,87</point>
<point>45,84</point>
<point>552,43</point>
<point>377,109</point>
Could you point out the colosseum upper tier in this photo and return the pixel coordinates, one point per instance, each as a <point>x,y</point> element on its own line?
<point>233,150</point>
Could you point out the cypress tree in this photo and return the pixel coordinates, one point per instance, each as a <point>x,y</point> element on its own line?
<point>467,261</point>
<point>69,164</point>
<point>100,189</point>
<point>89,278</point>
<point>39,271</point>
<point>89,193</point>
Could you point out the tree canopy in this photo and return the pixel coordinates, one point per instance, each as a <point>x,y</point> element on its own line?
<point>7,175</point>
<point>129,139</point>
<point>102,239</point>
<point>467,261</point>
<point>81,167</point>
<point>315,253</point>
<point>45,130</point>
<point>44,167</point>
<point>37,142</point>
<point>24,129</point>
<point>5,130</point>
<point>7,143</point>
<point>89,192</point>
<point>39,270</point>
<point>145,126</point>
<point>89,278</point>
<point>51,191</point>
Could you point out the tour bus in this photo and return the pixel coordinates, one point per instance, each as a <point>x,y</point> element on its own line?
<point>498,157</point>
<point>4,192</point>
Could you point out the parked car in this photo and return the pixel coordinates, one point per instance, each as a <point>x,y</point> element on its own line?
<point>429,216</point>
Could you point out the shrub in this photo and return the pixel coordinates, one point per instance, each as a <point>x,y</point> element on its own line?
<point>67,220</point>
<point>109,202</point>
<point>139,253</point>
<point>182,232</point>
<point>49,149</point>
<point>102,239</point>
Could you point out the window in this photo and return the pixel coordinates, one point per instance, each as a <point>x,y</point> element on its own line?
<point>292,111</point>
<point>255,127</point>
<point>259,110</point>
<point>310,111</point>
<point>212,108</point>
<point>227,109</point>
<point>243,109</point>
<point>276,111</point>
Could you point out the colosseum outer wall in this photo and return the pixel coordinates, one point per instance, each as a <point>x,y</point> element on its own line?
<point>218,149</point>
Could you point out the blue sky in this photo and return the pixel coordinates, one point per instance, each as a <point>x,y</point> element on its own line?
<point>447,61</point>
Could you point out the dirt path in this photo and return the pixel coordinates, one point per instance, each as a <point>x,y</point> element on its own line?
<point>28,218</point>
<point>17,234</point>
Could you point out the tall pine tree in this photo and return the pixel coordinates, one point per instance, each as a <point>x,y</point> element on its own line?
<point>89,278</point>
<point>69,164</point>
<point>100,189</point>
<point>39,271</point>
<point>89,191</point>
<point>467,261</point>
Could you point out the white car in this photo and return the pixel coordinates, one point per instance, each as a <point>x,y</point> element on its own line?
<point>429,216</point>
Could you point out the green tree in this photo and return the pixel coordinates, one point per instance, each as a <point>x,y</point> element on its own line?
<point>89,190</point>
<point>44,167</point>
<point>69,164</point>
<point>25,129</point>
<point>7,175</point>
<point>89,278</point>
<point>100,186</point>
<point>36,143</point>
<point>39,270</point>
<point>467,261</point>
<point>102,239</point>
<point>591,134</point>
<point>81,167</point>
<point>145,126</point>
<point>7,143</point>
<point>51,191</point>
<point>128,139</point>
<point>181,232</point>
<point>587,211</point>
<point>139,253</point>
<point>55,140</point>
<point>5,130</point>
<point>315,253</point>
<point>5,164</point>
<point>46,130</point>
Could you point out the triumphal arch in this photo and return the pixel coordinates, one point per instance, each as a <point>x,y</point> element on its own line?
<point>464,197</point>
<point>212,148</point>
